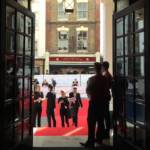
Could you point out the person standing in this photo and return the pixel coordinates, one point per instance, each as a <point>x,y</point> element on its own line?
<point>96,91</point>
<point>51,104</point>
<point>64,109</point>
<point>75,104</point>
<point>109,78</point>
<point>75,82</point>
<point>54,83</point>
<point>45,87</point>
<point>37,108</point>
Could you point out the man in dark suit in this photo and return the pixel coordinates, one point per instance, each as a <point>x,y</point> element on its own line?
<point>51,104</point>
<point>75,103</point>
<point>37,107</point>
<point>96,91</point>
<point>106,73</point>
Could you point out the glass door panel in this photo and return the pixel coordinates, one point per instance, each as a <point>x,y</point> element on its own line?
<point>10,17</point>
<point>139,19</point>
<point>28,26</point>
<point>130,131</point>
<point>23,3</point>
<point>28,46</point>
<point>140,137</point>
<point>20,22</point>
<point>139,66</point>
<point>139,42</point>
<point>119,26</point>
<point>20,44</point>
<point>120,47</point>
<point>140,89</point>
<point>10,42</point>
<point>120,66</point>
<point>130,65</point>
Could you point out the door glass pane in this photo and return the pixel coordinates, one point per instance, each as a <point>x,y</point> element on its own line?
<point>120,47</point>
<point>23,3</point>
<point>128,66</point>
<point>139,19</point>
<point>27,96</point>
<point>19,66</point>
<point>10,42</point>
<point>8,111</point>
<point>121,4</point>
<point>19,87</point>
<point>139,42</point>
<point>27,67</point>
<point>9,89</point>
<point>140,89</point>
<point>140,113</point>
<point>140,137</point>
<point>131,22</point>
<point>126,24</point>
<point>130,87</point>
<point>27,87</point>
<point>131,45</point>
<point>120,66</point>
<point>17,133</point>
<point>130,131</point>
<point>119,26</point>
<point>129,107</point>
<point>20,22</point>
<point>10,64</point>
<point>19,96</point>
<point>10,17</point>
<point>139,66</point>
<point>20,44</point>
<point>28,46</point>
<point>126,45</point>
<point>28,25</point>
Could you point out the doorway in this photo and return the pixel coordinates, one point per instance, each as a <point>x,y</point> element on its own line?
<point>129,68</point>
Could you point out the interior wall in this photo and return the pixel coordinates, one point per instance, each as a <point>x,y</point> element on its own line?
<point>106,13</point>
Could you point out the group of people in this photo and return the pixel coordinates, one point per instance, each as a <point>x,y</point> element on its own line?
<point>98,91</point>
<point>98,117</point>
<point>69,106</point>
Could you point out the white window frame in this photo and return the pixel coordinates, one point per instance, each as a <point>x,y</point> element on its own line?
<point>59,17</point>
<point>81,29</point>
<point>63,29</point>
<point>82,11</point>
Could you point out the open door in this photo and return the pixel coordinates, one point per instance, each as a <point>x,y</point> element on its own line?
<point>17,45</point>
<point>129,68</point>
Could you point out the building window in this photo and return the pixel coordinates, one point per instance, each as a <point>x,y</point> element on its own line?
<point>61,13</point>
<point>82,40</point>
<point>82,10</point>
<point>63,40</point>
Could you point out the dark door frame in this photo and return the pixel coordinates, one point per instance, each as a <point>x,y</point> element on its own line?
<point>28,13</point>
<point>133,7</point>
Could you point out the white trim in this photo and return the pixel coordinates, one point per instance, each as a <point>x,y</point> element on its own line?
<point>63,28</point>
<point>74,131</point>
<point>82,28</point>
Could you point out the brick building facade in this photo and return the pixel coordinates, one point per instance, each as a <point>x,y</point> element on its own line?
<point>74,36</point>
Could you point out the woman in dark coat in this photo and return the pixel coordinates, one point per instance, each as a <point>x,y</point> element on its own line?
<point>75,103</point>
<point>64,109</point>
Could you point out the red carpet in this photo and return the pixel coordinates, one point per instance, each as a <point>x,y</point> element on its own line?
<point>59,131</point>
